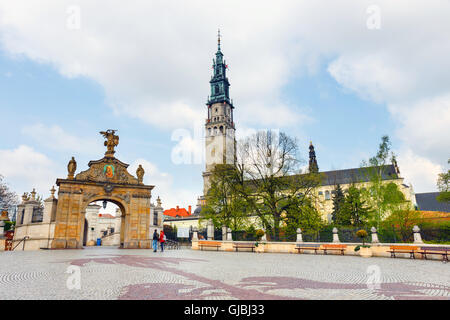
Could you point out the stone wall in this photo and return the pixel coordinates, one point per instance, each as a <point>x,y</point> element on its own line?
<point>378,250</point>
<point>40,236</point>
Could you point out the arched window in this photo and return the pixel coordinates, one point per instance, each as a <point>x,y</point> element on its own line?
<point>327,195</point>
<point>221,129</point>
<point>209,131</point>
<point>215,131</point>
<point>217,89</point>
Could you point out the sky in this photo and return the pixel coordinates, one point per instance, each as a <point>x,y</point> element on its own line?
<point>339,74</point>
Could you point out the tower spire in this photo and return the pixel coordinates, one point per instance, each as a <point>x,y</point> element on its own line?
<point>219,81</point>
<point>313,167</point>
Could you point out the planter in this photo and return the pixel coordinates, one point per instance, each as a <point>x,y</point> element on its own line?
<point>365,252</point>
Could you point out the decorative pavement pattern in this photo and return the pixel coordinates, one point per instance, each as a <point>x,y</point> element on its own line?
<point>110,273</point>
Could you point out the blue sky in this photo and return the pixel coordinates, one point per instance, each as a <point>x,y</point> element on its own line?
<point>316,75</point>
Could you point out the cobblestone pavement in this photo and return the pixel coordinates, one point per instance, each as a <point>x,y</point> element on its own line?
<point>111,273</point>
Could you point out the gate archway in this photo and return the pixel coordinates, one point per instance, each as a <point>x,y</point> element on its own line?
<point>106,179</point>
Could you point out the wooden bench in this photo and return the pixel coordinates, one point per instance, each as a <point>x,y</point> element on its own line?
<point>435,250</point>
<point>209,244</point>
<point>403,249</point>
<point>334,247</point>
<point>300,247</point>
<point>244,246</point>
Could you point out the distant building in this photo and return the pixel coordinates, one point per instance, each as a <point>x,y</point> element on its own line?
<point>427,202</point>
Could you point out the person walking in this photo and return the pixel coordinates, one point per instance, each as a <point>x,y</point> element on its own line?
<point>162,240</point>
<point>155,240</point>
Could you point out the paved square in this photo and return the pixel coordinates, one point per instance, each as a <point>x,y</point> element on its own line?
<point>111,273</point>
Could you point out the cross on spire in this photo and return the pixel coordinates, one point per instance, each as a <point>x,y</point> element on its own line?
<point>218,39</point>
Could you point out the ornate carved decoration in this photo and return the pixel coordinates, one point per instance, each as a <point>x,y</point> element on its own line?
<point>108,170</point>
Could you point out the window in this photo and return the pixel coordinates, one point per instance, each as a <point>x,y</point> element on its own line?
<point>21,216</point>
<point>209,131</point>
<point>327,195</point>
<point>155,218</point>
<point>320,193</point>
<point>38,214</point>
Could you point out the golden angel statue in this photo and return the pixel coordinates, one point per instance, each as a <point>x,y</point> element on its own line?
<point>111,142</point>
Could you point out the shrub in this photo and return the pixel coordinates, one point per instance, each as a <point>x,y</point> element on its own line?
<point>259,233</point>
<point>361,234</point>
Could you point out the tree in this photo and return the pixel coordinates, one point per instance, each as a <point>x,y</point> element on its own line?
<point>354,210</point>
<point>8,198</point>
<point>404,219</point>
<point>304,215</point>
<point>443,185</point>
<point>274,186</point>
<point>383,197</point>
<point>225,204</point>
<point>338,201</point>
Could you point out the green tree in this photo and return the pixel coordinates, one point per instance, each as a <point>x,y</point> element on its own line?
<point>302,214</point>
<point>443,185</point>
<point>382,196</point>
<point>338,201</point>
<point>354,210</point>
<point>225,204</point>
<point>270,165</point>
<point>404,219</point>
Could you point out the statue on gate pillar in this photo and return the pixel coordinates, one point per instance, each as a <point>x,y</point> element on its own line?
<point>71,168</point>
<point>140,174</point>
<point>111,142</point>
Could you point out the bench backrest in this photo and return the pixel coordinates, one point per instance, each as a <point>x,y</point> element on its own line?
<point>412,248</point>
<point>308,245</point>
<point>334,246</point>
<point>210,242</point>
<point>246,244</point>
<point>435,248</point>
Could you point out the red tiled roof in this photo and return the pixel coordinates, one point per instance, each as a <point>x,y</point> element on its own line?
<point>178,212</point>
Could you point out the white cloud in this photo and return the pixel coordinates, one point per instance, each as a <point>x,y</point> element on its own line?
<point>153,58</point>
<point>54,137</point>
<point>171,194</point>
<point>419,171</point>
<point>425,127</point>
<point>25,169</point>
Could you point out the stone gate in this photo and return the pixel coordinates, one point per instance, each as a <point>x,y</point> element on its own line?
<point>106,179</point>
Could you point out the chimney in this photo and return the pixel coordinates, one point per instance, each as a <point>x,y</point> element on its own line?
<point>178,208</point>
<point>190,208</point>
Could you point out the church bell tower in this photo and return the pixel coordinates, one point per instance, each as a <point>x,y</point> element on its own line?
<point>220,142</point>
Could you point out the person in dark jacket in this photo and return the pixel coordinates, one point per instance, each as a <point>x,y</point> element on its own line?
<point>155,240</point>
